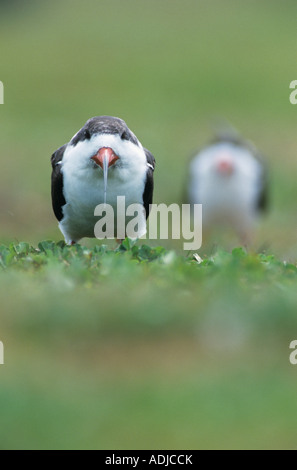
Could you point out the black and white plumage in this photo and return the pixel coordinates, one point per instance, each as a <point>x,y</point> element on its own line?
<point>77,175</point>
<point>228,177</point>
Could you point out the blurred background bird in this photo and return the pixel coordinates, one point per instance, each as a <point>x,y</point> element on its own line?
<point>229,178</point>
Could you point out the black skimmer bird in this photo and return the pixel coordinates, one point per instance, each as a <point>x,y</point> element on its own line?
<point>228,177</point>
<point>105,152</point>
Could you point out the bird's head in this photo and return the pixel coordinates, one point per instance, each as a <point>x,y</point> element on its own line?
<point>225,161</point>
<point>105,143</point>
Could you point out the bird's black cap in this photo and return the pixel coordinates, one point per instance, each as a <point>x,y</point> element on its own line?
<point>104,125</point>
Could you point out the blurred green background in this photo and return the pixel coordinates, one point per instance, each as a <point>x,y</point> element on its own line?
<point>169,68</point>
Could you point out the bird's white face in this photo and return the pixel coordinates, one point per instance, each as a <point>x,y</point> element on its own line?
<point>225,162</point>
<point>127,160</point>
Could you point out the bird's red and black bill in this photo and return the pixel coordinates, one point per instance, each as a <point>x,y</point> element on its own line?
<point>105,156</point>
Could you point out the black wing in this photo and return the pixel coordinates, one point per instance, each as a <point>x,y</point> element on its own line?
<point>263,200</point>
<point>149,184</point>
<point>58,200</point>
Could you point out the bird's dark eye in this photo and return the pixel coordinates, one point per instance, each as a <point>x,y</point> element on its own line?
<point>124,135</point>
<point>87,134</point>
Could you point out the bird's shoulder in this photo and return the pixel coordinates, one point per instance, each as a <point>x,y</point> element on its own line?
<point>57,156</point>
<point>150,159</point>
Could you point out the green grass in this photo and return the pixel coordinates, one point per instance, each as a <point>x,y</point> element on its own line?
<point>138,347</point>
<point>142,347</point>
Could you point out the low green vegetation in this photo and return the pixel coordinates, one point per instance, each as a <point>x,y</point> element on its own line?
<point>138,347</point>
